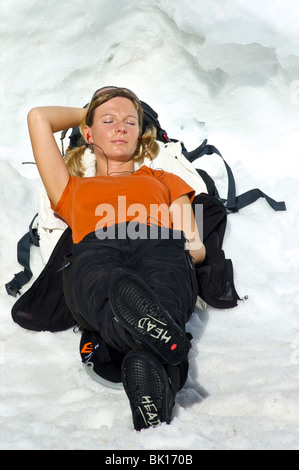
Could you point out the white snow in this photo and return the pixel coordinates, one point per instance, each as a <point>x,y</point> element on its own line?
<point>228,71</point>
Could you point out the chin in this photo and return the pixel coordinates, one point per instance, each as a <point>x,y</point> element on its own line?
<point>121,156</point>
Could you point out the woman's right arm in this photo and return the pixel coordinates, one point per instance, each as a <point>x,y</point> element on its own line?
<point>43,122</point>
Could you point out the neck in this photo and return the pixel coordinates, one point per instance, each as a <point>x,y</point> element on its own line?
<point>107,167</point>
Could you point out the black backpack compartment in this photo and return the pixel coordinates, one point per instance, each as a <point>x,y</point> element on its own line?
<point>43,306</point>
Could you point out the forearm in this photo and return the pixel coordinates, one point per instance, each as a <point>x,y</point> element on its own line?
<point>56,118</point>
<point>183,219</point>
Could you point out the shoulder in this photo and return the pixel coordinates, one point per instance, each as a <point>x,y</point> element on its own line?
<point>156,173</point>
<point>176,185</point>
<point>161,174</point>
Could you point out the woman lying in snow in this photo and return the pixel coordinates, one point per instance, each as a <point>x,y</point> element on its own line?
<point>130,282</point>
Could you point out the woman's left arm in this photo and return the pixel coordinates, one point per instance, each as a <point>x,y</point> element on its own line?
<point>182,216</point>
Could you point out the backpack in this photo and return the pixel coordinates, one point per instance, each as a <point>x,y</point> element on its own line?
<point>43,308</point>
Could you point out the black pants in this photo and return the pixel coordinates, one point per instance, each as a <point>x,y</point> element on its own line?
<point>162,263</point>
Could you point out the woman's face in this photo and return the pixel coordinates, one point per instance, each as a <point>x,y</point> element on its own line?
<point>115,129</point>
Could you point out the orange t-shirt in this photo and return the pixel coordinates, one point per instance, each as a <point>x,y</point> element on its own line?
<point>91,203</point>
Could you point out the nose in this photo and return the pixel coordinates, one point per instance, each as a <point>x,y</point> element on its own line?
<point>121,128</point>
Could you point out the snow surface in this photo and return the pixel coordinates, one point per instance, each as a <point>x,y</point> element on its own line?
<point>225,70</point>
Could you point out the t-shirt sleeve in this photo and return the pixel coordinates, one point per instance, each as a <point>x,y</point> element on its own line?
<point>178,187</point>
<point>64,205</point>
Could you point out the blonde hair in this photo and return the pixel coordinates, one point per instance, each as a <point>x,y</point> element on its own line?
<point>147,146</point>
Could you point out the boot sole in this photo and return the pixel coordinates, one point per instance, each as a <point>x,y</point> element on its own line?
<point>139,312</point>
<point>147,387</point>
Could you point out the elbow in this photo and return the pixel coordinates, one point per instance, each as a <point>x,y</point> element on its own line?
<point>202,254</point>
<point>38,122</point>
<point>34,115</point>
<point>198,255</point>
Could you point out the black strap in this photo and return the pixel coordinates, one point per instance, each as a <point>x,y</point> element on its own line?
<point>252,195</point>
<point>207,149</point>
<point>233,203</point>
<point>23,254</point>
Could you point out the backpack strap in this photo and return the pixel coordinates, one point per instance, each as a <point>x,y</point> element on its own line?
<point>253,195</point>
<point>23,254</point>
<point>207,149</point>
<point>233,203</point>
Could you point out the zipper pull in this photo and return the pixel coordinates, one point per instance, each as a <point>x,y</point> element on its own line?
<point>64,267</point>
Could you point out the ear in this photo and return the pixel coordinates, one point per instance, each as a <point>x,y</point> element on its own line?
<point>87,135</point>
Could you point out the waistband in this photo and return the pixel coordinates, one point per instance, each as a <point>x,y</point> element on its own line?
<point>129,231</point>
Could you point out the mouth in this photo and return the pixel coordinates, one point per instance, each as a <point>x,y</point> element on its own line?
<point>119,142</point>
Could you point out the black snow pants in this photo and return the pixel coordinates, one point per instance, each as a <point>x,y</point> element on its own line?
<point>161,261</point>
